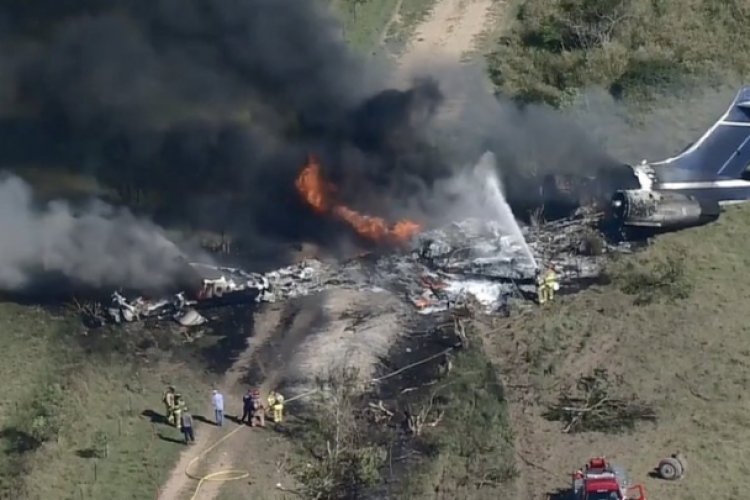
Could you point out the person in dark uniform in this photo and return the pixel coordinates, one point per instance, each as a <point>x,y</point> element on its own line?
<point>247,407</point>
<point>186,421</point>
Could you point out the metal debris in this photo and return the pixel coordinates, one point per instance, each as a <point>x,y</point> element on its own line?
<point>189,317</point>
<point>467,261</point>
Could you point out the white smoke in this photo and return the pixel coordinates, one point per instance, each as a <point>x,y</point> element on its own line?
<point>101,246</point>
<point>494,199</point>
<point>476,192</point>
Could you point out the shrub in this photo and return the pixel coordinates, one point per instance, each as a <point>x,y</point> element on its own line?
<point>474,434</point>
<point>347,460</point>
<point>44,418</point>
<point>632,47</point>
<point>654,278</point>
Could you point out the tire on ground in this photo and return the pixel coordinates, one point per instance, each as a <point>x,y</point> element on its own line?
<point>670,469</point>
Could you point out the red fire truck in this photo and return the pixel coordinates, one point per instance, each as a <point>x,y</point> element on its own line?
<point>599,480</point>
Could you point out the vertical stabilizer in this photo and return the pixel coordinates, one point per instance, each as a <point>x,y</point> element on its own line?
<point>723,151</point>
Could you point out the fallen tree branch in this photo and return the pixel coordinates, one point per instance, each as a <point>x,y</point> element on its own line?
<point>596,409</point>
<point>380,407</point>
<point>533,464</point>
<point>437,420</point>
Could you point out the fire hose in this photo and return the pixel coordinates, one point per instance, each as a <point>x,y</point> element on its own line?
<point>222,475</point>
<point>226,474</point>
<point>236,474</point>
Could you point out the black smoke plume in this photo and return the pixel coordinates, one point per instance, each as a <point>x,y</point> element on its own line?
<point>208,107</point>
<point>203,112</point>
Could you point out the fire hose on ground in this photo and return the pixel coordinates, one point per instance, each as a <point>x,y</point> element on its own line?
<point>226,474</point>
<point>236,474</point>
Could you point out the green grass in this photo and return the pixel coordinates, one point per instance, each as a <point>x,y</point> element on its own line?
<point>363,21</point>
<point>471,449</point>
<point>410,15</point>
<point>60,404</point>
<point>683,349</point>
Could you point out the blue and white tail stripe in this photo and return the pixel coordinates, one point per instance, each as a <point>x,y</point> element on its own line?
<point>722,152</point>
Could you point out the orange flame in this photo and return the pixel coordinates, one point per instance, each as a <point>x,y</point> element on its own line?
<point>421,303</point>
<point>311,186</point>
<point>318,194</point>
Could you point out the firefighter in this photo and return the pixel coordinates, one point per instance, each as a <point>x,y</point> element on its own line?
<point>257,409</point>
<point>177,409</point>
<point>168,400</point>
<point>271,399</point>
<point>276,403</point>
<point>547,285</point>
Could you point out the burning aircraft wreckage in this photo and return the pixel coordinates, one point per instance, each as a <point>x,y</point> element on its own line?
<point>491,260</point>
<point>688,189</point>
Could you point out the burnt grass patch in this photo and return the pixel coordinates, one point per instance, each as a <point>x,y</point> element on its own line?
<point>436,422</point>
<point>226,335</point>
<point>214,346</point>
<point>455,434</point>
<point>287,338</point>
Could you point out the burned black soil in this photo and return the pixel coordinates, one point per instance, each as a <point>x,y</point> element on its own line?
<point>407,376</point>
<point>225,335</point>
<point>428,341</point>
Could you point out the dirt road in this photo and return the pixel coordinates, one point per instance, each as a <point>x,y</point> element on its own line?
<point>439,47</point>
<point>179,485</point>
<point>448,32</point>
<point>291,344</point>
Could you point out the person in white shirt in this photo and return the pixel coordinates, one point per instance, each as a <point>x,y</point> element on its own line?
<point>218,401</point>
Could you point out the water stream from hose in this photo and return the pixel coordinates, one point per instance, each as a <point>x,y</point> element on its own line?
<point>494,199</point>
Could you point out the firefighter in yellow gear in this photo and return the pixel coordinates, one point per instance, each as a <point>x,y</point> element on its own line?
<point>547,285</point>
<point>276,404</point>
<point>177,409</point>
<point>168,400</point>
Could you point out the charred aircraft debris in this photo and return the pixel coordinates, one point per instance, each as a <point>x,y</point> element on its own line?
<point>475,260</point>
<point>686,190</point>
<point>471,260</point>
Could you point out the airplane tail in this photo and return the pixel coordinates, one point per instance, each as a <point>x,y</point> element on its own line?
<point>723,151</point>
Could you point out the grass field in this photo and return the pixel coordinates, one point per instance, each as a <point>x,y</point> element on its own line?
<point>688,356</point>
<point>77,424</point>
<point>368,22</point>
<point>411,13</point>
<point>363,21</point>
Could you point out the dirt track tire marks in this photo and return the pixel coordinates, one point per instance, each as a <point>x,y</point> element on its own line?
<point>279,331</point>
<point>179,485</point>
<point>299,319</point>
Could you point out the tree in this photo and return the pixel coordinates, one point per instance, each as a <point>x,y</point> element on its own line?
<point>346,462</point>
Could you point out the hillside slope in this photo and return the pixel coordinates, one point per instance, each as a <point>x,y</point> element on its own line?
<point>686,356</point>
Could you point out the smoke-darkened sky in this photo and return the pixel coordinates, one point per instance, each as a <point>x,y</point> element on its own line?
<point>210,104</point>
<point>209,107</point>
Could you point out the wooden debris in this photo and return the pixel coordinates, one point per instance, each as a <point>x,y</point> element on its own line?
<point>380,407</point>
<point>415,422</point>
<point>91,311</point>
<point>594,407</point>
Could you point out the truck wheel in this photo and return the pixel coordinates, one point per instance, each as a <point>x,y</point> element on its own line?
<point>670,469</point>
